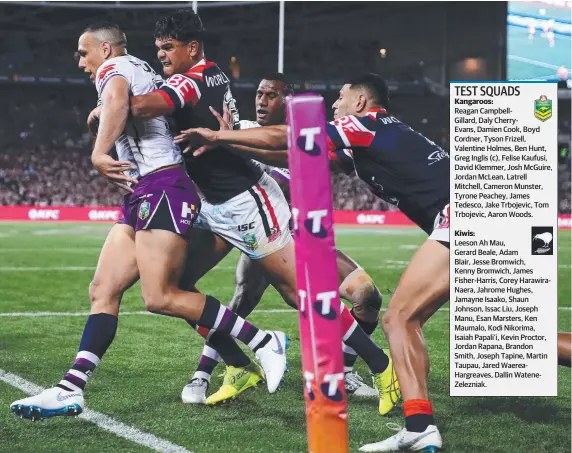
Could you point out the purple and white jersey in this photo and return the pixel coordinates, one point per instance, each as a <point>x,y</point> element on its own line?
<point>281,173</point>
<point>145,142</point>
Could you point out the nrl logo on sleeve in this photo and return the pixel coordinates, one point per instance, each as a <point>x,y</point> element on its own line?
<point>543,108</point>
<point>144,209</point>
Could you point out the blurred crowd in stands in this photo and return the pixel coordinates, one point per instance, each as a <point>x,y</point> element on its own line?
<point>45,149</point>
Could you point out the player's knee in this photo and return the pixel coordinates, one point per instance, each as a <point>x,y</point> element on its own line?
<point>103,298</point>
<point>367,302</point>
<point>364,296</point>
<point>398,317</point>
<point>156,300</point>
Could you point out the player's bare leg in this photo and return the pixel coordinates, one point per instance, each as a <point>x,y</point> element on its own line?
<point>358,288</point>
<point>211,249</point>
<point>564,348</point>
<point>115,273</point>
<point>161,257</point>
<point>250,285</point>
<point>281,272</point>
<point>422,289</point>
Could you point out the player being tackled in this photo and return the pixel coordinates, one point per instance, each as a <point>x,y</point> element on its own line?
<point>406,169</point>
<point>356,286</point>
<point>242,206</point>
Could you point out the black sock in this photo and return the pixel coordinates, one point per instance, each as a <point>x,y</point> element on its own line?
<point>418,415</point>
<point>419,422</point>
<point>368,327</point>
<point>217,316</point>
<point>229,350</point>
<point>372,354</point>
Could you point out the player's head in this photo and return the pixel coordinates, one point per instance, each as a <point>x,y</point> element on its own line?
<point>97,43</point>
<point>270,96</point>
<point>360,95</point>
<point>179,41</point>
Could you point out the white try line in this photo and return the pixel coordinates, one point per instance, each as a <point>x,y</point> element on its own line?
<point>43,314</point>
<point>103,421</point>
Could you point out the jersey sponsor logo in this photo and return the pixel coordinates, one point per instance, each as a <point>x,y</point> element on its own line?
<point>246,226</point>
<point>44,214</point>
<point>187,209</point>
<point>217,80</point>
<point>144,210</point>
<point>389,120</point>
<point>97,214</point>
<point>437,156</point>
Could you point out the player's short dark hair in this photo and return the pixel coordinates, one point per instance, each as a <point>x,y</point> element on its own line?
<point>108,31</point>
<point>376,86</point>
<point>183,25</point>
<point>288,88</point>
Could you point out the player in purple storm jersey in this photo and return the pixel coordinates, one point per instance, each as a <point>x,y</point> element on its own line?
<point>150,242</point>
<point>404,168</point>
<point>242,206</point>
<point>356,285</point>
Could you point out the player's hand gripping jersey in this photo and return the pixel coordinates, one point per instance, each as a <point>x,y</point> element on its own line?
<point>147,143</point>
<point>219,174</point>
<point>400,165</point>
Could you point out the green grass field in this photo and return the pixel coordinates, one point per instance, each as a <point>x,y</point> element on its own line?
<point>47,268</point>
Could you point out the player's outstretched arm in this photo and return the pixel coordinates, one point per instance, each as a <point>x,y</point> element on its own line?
<point>265,144</point>
<point>150,105</point>
<point>114,113</point>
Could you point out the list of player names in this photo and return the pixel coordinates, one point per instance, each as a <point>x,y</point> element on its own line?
<point>504,210</point>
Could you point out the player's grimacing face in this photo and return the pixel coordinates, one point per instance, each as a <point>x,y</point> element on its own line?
<point>346,104</point>
<point>90,55</point>
<point>269,103</point>
<point>173,55</point>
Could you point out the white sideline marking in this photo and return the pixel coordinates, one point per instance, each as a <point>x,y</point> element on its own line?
<point>391,264</point>
<point>103,421</point>
<point>41,314</point>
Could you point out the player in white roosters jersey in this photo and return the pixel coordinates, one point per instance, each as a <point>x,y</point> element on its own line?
<point>145,142</point>
<point>251,283</point>
<point>151,241</point>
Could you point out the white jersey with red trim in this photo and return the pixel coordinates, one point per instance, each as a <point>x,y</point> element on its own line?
<point>282,173</point>
<point>147,143</point>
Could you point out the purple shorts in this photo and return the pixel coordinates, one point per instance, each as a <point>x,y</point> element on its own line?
<point>165,200</point>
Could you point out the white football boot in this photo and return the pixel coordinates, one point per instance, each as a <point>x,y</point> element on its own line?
<point>429,441</point>
<point>356,387</point>
<point>272,359</point>
<point>51,402</point>
<point>195,392</point>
